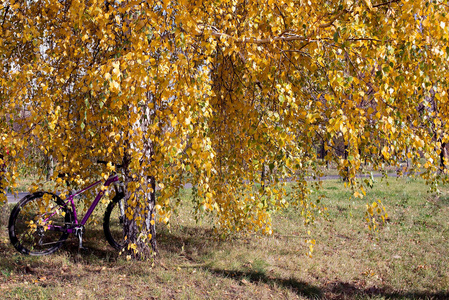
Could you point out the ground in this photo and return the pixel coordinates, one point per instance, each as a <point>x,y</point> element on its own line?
<point>408,258</point>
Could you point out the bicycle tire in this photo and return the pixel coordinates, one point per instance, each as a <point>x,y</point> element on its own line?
<point>26,231</point>
<point>113,223</point>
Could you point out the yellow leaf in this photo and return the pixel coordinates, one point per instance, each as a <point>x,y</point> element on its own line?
<point>358,195</point>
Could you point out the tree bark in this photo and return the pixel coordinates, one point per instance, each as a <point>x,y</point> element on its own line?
<point>136,245</point>
<point>262,176</point>
<point>2,174</point>
<point>151,220</point>
<point>346,175</point>
<point>49,165</point>
<point>443,157</point>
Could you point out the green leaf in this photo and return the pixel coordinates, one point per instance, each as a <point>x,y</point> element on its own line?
<point>336,36</point>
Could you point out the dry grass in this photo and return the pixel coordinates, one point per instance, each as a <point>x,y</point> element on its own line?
<point>407,259</point>
<point>26,181</point>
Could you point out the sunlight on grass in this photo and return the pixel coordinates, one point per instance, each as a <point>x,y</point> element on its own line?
<point>407,258</point>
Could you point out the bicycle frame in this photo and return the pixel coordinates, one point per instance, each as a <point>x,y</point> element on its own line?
<point>113,178</point>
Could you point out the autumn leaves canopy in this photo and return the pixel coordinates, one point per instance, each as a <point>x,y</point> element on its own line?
<point>225,94</point>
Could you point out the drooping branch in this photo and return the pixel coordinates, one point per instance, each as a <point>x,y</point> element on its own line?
<point>284,37</point>
<point>324,25</point>
<point>386,3</point>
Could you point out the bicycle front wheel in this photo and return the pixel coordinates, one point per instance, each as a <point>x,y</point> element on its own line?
<point>113,224</point>
<point>37,224</point>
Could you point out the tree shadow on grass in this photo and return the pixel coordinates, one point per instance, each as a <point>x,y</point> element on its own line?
<point>344,290</point>
<point>96,247</point>
<point>334,290</point>
<point>189,239</point>
<point>301,288</point>
<point>196,243</point>
<point>442,200</point>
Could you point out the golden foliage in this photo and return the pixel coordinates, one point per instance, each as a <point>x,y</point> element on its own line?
<point>216,93</point>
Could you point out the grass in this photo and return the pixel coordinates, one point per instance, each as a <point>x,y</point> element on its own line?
<point>407,259</point>
<point>25,181</point>
<point>331,169</point>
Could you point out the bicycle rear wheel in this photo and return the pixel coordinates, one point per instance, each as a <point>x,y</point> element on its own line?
<point>113,223</point>
<point>37,224</point>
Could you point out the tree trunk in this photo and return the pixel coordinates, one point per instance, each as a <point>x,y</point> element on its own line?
<point>443,157</point>
<point>346,175</point>
<point>262,176</point>
<point>151,220</point>
<point>407,159</point>
<point>2,174</point>
<point>136,245</point>
<point>141,234</point>
<point>323,151</point>
<point>49,165</point>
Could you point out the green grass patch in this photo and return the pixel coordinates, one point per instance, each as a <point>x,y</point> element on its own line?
<point>408,258</point>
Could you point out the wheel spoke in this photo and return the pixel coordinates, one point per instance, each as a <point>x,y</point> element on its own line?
<point>37,224</point>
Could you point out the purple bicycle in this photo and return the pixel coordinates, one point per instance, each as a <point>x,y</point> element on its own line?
<point>42,221</point>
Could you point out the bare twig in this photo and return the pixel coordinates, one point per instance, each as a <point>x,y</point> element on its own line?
<point>333,19</point>
<point>386,3</point>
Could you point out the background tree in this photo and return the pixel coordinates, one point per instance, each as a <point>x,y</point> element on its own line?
<point>221,90</point>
